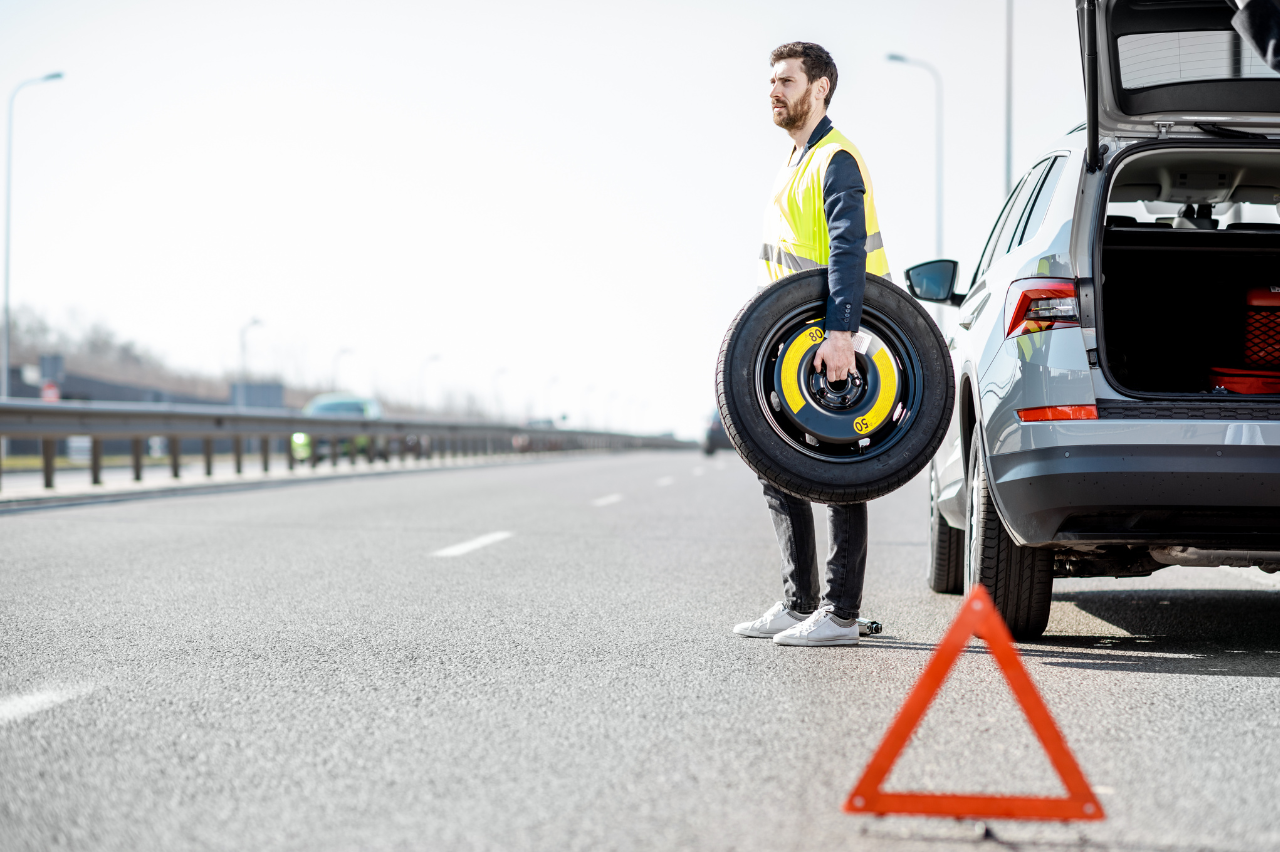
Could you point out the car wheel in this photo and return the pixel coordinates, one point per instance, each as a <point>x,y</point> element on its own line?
<point>946,547</point>
<point>844,442</point>
<point>1019,579</point>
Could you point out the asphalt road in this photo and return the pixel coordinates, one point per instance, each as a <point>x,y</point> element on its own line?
<point>293,668</point>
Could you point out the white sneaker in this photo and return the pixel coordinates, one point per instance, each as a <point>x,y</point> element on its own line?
<point>821,628</point>
<point>777,619</point>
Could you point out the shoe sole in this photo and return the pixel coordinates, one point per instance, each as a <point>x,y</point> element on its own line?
<point>755,635</point>
<point>815,643</point>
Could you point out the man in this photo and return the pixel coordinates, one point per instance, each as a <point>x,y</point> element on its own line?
<point>822,214</point>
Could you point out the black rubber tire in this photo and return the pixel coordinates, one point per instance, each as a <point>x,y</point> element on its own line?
<point>801,474</point>
<point>946,548</point>
<point>1019,579</point>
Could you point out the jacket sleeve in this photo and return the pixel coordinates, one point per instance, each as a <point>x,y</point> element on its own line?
<point>842,197</point>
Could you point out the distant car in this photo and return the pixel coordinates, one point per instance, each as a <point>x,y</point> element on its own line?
<point>339,405</point>
<point>716,438</point>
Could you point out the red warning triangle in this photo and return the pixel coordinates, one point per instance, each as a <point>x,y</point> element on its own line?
<point>978,617</point>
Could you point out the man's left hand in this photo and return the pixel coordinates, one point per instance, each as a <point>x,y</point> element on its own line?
<point>836,354</point>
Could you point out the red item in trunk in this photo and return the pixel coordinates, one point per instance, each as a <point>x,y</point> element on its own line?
<point>1261,346</point>
<point>1262,327</point>
<point>1246,381</point>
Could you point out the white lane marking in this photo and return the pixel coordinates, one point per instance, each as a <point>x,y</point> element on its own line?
<point>607,500</point>
<point>665,481</point>
<point>473,544</point>
<point>20,706</point>
<point>1254,574</point>
<point>1103,790</point>
<point>697,471</point>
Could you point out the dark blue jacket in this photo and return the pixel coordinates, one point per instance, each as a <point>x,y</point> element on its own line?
<point>842,194</point>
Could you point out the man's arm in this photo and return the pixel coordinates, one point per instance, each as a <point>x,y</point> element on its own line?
<point>842,193</point>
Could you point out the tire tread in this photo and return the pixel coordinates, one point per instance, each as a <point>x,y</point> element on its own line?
<point>1019,579</point>
<point>804,487</point>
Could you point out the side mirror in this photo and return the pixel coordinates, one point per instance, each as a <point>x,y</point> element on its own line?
<point>934,281</point>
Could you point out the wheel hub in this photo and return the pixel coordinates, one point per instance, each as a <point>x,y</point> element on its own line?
<point>846,412</point>
<point>837,396</point>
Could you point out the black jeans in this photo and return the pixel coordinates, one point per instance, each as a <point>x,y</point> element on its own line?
<point>846,563</point>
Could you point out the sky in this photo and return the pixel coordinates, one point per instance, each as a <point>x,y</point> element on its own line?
<point>554,207</point>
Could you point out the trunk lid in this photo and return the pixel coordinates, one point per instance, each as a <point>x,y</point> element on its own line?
<point>1166,66</point>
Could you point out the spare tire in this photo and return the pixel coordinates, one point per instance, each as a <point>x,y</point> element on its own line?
<point>834,443</point>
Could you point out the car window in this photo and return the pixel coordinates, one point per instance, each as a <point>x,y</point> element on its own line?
<point>991,240</point>
<point>1035,218</point>
<point>1029,184</point>
<point>353,406</point>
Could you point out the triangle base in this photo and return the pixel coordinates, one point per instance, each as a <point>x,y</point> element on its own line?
<point>978,617</point>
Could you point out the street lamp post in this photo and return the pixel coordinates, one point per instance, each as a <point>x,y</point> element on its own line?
<point>422,382</point>
<point>244,359</point>
<point>937,122</point>
<point>336,358</point>
<point>1008,97</point>
<point>8,195</point>
<point>496,390</point>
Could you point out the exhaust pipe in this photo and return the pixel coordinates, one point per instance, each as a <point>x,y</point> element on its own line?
<point>1267,560</point>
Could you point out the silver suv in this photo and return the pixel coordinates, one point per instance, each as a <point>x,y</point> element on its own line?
<point>1117,350</point>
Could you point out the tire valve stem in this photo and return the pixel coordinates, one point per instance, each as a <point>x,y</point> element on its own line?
<point>897,413</point>
<point>774,401</point>
<point>810,440</point>
<point>862,445</point>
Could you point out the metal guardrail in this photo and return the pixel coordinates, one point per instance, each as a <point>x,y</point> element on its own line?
<point>49,421</point>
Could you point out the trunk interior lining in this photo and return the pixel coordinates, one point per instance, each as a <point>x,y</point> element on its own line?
<point>1172,304</point>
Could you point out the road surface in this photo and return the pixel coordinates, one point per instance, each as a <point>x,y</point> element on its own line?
<point>296,668</point>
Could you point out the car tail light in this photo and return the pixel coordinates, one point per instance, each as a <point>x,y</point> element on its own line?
<point>1058,412</point>
<point>1039,304</point>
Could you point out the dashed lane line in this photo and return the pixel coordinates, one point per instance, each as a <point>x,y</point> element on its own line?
<point>20,706</point>
<point>474,544</point>
<point>665,481</point>
<point>607,500</point>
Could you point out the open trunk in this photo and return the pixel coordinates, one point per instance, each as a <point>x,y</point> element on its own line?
<point>1189,301</point>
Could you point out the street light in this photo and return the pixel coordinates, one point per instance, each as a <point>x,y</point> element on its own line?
<point>937,122</point>
<point>336,358</point>
<point>422,382</point>
<point>496,390</point>
<point>1008,97</point>
<point>241,390</point>
<point>8,193</point>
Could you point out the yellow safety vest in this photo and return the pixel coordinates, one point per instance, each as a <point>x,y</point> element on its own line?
<point>795,229</point>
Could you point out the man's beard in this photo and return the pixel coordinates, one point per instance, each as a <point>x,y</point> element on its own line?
<point>796,114</point>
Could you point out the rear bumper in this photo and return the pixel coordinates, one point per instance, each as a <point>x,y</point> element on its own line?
<point>1200,494</point>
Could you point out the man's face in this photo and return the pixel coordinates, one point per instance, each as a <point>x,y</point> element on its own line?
<point>790,94</point>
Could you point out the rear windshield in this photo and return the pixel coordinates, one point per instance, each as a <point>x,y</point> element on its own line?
<point>1155,59</point>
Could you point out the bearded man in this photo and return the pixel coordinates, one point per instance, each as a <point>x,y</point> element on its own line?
<point>822,214</point>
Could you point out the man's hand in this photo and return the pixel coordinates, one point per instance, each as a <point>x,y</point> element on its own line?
<point>837,354</point>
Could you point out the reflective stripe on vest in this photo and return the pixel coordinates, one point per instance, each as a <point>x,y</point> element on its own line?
<point>795,231</point>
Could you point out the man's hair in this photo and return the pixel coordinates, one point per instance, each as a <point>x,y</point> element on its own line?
<point>814,59</point>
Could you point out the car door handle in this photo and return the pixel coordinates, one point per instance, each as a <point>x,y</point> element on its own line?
<point>970,317</point>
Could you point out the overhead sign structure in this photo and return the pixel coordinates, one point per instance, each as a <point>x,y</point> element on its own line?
<point>978,617</point>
